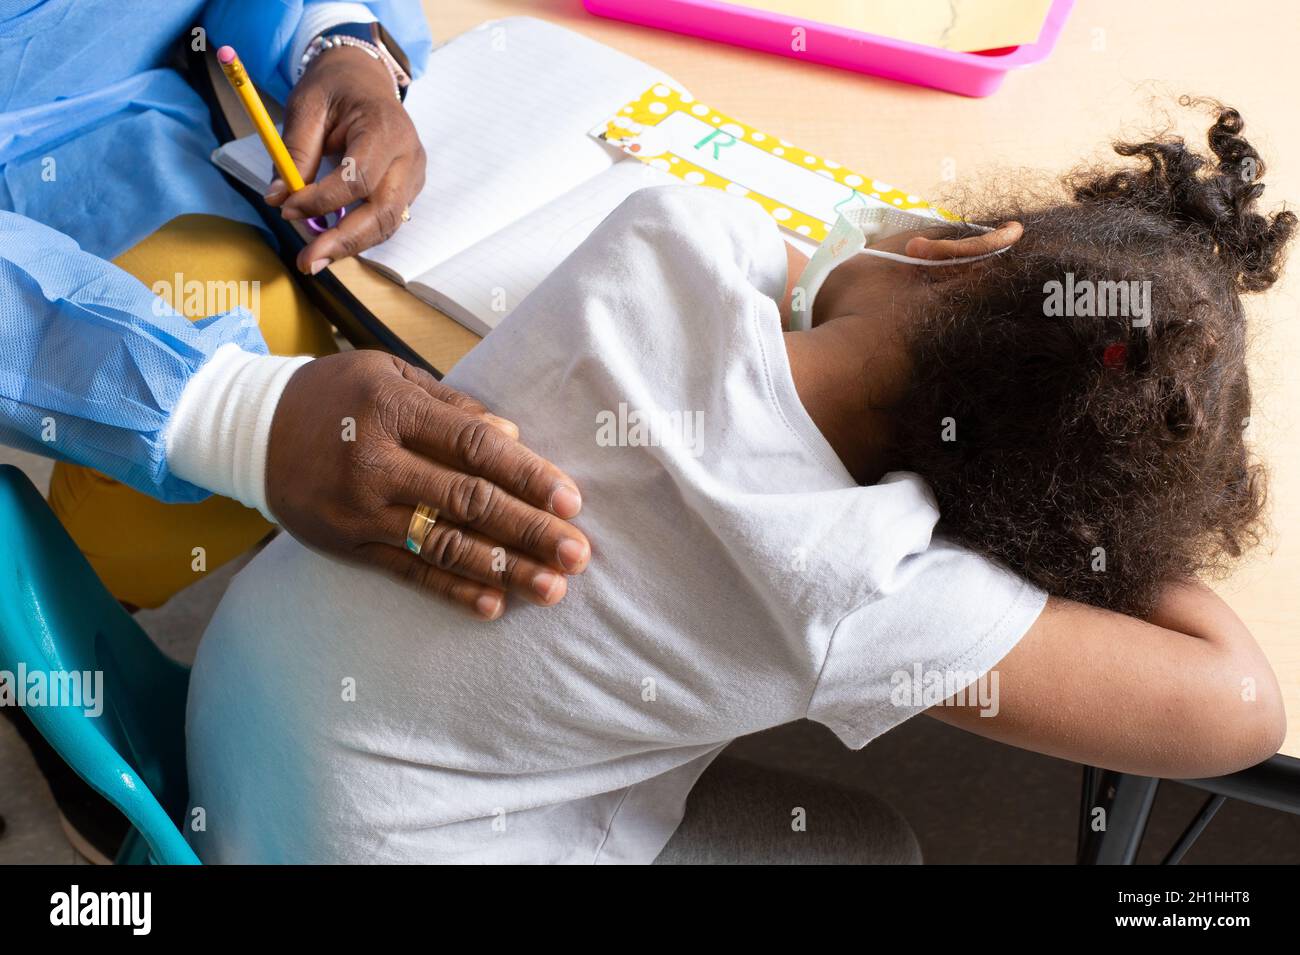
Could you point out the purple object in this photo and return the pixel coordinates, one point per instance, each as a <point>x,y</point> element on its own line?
<point>319,224</point>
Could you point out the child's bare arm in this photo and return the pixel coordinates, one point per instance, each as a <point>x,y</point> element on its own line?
<point>1187,694</point>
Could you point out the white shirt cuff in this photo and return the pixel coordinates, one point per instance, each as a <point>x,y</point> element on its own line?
<point>219,430</point>
<point>316,19</point>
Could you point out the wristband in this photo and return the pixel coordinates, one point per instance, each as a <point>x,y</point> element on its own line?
<point>370,38</point>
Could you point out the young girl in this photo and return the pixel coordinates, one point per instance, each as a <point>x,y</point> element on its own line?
<point>849,523</point>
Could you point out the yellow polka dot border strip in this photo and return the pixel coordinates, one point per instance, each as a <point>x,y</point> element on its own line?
<point>669,129</point>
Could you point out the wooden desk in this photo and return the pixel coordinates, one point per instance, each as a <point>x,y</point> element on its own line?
<point>1112,62</point>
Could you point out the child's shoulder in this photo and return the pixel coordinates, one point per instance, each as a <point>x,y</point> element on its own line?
<point>706,230</point>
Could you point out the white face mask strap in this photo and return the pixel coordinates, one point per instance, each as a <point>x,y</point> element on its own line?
<point>844,241</point>
<point>853,231</point>
<point>878,222</point>
<point>911,260</point>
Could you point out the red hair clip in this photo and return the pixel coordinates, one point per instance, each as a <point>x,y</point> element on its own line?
<point>1115,355</point>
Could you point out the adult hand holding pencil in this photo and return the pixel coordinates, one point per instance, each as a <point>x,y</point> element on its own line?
<point>344,103</point>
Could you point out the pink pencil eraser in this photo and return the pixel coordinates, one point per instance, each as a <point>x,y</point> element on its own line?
<point>226,55</point>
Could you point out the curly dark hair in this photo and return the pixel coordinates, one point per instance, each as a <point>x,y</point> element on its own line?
<point>1101,456</point>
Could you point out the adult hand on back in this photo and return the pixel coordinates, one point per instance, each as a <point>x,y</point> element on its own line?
<point>359,439</point>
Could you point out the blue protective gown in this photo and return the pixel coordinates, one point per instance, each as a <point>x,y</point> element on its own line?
<point>100,145</point>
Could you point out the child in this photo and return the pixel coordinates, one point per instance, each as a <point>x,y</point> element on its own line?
<point>1091,434</point>
<point>762,552</point>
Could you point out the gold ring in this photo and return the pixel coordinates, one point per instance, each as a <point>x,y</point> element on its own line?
<point>417,532</point>
<point>406,214</point>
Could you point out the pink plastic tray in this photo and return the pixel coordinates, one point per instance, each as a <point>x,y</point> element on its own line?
<point>972,74</point>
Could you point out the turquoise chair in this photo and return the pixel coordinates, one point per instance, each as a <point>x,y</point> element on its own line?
<point>55,615</point>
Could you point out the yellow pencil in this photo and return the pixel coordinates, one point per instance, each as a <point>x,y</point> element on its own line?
<point>238,77</point>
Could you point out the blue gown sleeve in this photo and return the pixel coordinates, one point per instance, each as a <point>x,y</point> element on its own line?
<point>92,362</point>
<point>262,32</point>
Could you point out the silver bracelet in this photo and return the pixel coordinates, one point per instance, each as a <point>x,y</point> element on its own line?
<point>323,43</point>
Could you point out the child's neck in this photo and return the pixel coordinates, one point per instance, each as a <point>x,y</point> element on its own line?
<point>850,367</point>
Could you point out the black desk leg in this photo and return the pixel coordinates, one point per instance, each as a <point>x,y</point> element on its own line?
<point>1194,829</point>
<point>1126,801</point>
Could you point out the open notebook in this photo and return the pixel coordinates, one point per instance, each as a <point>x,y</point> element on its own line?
<point>514,181</point>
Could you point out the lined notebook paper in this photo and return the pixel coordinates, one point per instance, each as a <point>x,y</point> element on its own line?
<point>494,275</point>
<point>513,183</point>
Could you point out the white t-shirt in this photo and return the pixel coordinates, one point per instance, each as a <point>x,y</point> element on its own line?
<point>740,579</point>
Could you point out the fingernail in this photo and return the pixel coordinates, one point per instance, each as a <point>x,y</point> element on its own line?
<point>571,554</point>
<point>545,585</point>
<point>275,191</point>
<point>488,606</point>
<point>565,502</point>
<point>319,264</point>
